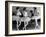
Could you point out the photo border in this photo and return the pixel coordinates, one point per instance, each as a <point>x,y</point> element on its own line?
<point>6,18</point>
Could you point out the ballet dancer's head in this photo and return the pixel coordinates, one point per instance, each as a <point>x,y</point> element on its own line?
<point>17,8</point>
<point>24,8</point>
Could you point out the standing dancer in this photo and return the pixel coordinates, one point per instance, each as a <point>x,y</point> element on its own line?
<point>18,18</point>
<point>26,18</point>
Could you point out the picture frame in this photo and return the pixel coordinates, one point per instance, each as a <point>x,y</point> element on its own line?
<point>10,8</point>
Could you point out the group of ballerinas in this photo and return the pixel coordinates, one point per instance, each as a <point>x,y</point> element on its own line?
<point>25,17</point>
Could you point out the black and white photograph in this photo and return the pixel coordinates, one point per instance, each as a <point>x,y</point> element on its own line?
<point>24,18</point>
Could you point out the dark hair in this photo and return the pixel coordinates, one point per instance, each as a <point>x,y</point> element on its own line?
<point>32,14</point>
<point>24,8</point>
<point>17,8</point>
<point>35,8</point>
<point>31,11</point>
